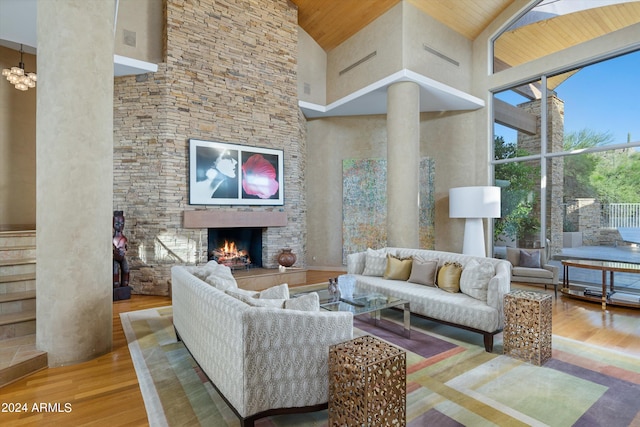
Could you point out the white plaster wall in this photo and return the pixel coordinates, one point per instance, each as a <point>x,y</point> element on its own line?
<point>329,141</point>
<point>420,29</point>
<point>312,70</point>
<point>74,191</point>
<point>145,19</point>
<point>449,138</point>
<point>384,36</point>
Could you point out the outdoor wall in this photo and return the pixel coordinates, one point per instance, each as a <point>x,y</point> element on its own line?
<point>589,223</point>
<point>17,147</point>
<point>230,76</point>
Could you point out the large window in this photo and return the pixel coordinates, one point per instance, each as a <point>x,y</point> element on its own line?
<point>570,166</point>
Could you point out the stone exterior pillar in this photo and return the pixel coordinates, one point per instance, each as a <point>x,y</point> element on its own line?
<point>403,164</point>
<point>589,213</point>
<point>74,190</point>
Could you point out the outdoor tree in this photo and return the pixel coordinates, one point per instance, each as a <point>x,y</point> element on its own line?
<point>578,169</point>
<point>610,177</point>
<point>618,179</point>
<point>519,181</point>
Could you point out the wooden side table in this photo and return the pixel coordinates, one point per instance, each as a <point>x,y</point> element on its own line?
<point>367,383</point>
<point>527,326</point>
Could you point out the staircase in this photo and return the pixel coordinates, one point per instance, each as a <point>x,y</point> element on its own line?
<point>18,353</point>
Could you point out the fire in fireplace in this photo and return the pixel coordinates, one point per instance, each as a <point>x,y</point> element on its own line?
<point>237,248</point>
<point>231,256</point>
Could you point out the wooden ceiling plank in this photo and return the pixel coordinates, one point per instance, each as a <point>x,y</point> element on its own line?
<point>561,32</point>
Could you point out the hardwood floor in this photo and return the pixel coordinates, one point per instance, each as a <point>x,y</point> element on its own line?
<point>105,391</point>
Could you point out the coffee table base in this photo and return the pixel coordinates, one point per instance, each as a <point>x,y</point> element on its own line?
<point>406,309</point>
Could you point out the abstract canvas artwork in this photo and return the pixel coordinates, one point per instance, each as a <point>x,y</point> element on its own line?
<point>364,204</point>
<point>427,211</point>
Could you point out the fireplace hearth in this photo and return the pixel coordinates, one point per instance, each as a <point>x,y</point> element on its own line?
<point>237,248</point>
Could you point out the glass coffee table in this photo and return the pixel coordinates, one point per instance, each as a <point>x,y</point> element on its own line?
<point>366,303</point>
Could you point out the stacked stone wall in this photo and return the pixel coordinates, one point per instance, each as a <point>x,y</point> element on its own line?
<point>231,76</point>
<point>589,212</point>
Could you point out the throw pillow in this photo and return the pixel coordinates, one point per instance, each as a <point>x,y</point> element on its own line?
<point>475,277</point>
<point>222,278</point>
<point>216,275</point>
<point>306,302</point>
<point>202,271</point>
<point>279,292</point>
<point>529,259</point>
<point>424,271</point>
<point>397,268</point>
<point>375,264</point>
<point>449,277</point>
<point>226,276</point>
<point>239,292</point>
<point>258,302</point>
<point>275,292</point>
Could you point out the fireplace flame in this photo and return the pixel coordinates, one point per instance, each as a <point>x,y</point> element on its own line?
<point>231,256</point>
<point>230,247</point>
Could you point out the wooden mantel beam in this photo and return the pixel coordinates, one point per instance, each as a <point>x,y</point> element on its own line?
<point>230,219</point>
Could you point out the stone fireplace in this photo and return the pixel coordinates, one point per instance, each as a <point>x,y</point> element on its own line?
<point>200,91</point>
<point>240,239</point>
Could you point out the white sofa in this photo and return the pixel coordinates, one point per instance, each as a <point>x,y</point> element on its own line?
<point>262,360</point>
<point>484,315</point>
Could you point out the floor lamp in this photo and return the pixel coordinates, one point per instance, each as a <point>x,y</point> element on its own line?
<point>473,204</point>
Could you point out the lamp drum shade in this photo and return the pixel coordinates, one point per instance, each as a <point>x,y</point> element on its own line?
<point>474,202</point>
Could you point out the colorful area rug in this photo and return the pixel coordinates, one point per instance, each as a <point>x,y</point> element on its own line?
<point>451,380</point>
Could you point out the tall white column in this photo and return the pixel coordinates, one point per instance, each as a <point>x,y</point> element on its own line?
<point>403,164</point>
<point>74,179</point>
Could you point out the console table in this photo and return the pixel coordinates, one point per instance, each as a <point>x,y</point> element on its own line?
<point>606,267</point>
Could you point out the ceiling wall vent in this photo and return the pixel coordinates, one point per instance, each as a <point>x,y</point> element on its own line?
<point>440,55</point>
<point>361,61</point>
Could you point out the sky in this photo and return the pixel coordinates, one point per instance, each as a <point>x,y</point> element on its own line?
<point>603,97</point>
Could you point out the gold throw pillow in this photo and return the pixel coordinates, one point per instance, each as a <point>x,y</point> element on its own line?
<point>397,268</point>
<point>449,277</point>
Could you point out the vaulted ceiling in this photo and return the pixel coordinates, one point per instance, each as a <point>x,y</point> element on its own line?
<point>331,22</point>
<point>554,26</point>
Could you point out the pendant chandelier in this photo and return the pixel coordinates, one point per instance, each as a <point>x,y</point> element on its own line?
<point>18,77</point>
